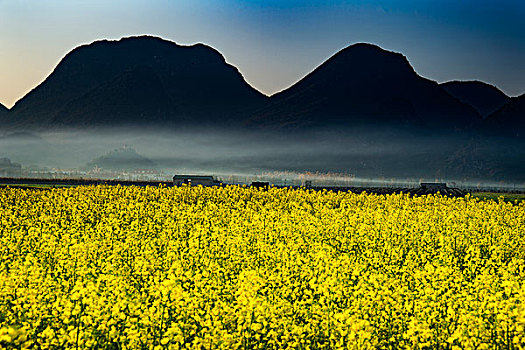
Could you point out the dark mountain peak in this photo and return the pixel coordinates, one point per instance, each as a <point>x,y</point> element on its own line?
<point>138,80</point>
<point>365,59</point>
<point>3,108</point>
<point>364,84</point>
<point>366,49</point>
<point>369,54</point>
<point>485,98</point>
<point>355,69</point>
<point>135,50</point>
<point>155,44</point>
<point>131,41</point>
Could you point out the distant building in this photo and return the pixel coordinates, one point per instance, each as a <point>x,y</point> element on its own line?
<point>433,186</point>
<point>203,180</point>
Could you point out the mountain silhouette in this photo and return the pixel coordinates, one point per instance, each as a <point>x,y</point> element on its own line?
<point>485,98</point>
<point>365,85</point>
<point>149,81</point>
<point>509,119</point>
<point>359,110</point>
<point>138,81</point>
<point>124,158</point>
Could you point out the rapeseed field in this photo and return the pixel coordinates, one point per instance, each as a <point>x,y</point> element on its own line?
<point>105,267</point>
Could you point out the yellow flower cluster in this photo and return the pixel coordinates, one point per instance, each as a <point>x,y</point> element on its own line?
<point>236,267</point>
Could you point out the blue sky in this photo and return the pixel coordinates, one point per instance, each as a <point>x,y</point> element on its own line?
<point>274,43</point>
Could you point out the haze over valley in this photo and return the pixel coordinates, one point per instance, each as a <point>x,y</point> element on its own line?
<point>147,104</point>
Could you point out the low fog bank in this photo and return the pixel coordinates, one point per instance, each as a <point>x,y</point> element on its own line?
<point>385,157</point>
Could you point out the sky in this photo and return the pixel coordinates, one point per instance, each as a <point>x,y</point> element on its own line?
<point>274,43</point>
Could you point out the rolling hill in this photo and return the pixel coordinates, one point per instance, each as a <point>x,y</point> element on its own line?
<point>510,119</point>
<point>485,98</point>
<point>124,158</point>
